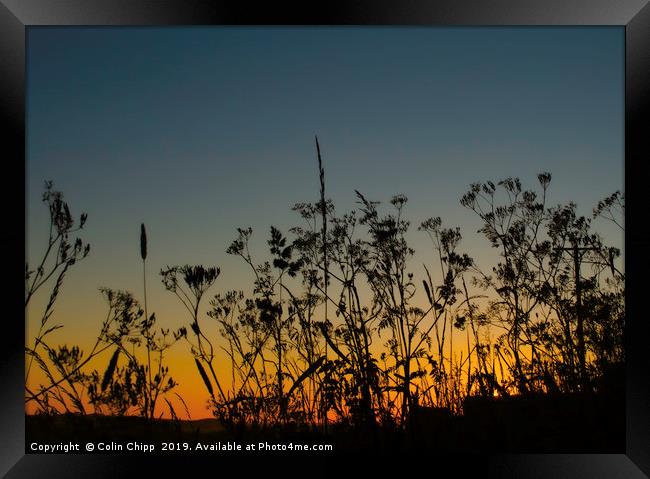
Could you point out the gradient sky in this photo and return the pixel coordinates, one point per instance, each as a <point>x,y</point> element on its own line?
<point>196,131</point>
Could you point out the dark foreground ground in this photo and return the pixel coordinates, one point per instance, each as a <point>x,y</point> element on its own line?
<point>537,424</point>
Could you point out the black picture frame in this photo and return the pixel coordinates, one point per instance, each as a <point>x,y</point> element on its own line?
<point>634,15</point>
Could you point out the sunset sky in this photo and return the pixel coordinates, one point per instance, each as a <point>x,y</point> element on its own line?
<point>197,131</point>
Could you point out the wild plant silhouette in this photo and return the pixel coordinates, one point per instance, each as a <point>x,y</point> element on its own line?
<point>546,320</point>
<point>71,386</point>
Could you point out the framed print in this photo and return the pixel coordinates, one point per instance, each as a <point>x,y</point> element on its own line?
<point>258,234</point>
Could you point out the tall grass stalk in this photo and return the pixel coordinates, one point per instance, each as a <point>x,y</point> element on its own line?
<point>143,255</point>
<point>323,211</point>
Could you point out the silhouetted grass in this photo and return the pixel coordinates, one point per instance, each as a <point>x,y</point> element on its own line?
<point>543,331</point>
